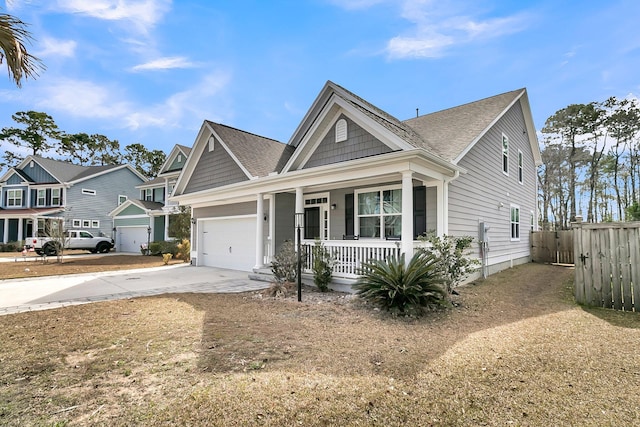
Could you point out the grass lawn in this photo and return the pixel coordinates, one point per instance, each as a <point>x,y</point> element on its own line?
<point>516,351</point>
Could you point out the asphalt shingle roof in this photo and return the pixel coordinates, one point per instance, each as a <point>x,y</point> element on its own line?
<point>66,172</point>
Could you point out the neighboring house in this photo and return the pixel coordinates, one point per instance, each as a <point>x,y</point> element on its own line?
<point>147,219</point>
<point>39,191</point>
<point>366,183</point>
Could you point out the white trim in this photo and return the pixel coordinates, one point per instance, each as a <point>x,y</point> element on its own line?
<point>520,167</point>
<point>342,131</point>
<point>503,154</point>
<point>324,209</point>
<point>59,196</point>
<point>86,223</point>
<point>381,214</point>
<point>88,192</point>
<point>518,223</point>
<point>95,223</point>
<point>76,223</point>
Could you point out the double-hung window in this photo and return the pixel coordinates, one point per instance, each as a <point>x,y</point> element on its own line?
<point>520,166</point>
<point>42,197</point>
<point>148,194</point>
<point>55,197</point>
<point>515,222</point>
<point>379,213</point>
<point>14,197</point>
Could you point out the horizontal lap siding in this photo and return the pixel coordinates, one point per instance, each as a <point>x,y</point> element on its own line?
<point>476,195</point>
<point>214,169</point>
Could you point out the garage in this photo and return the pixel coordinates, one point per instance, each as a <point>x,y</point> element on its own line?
<point>129,239</point>
<point>228,242</point>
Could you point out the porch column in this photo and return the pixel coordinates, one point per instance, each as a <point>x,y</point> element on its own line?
<point>272,226</point>
<point>5,235</point>
<point>260,231</point>
<point>407,215</point>
<point>166,226</point>
<point>442,198</point>
<point>20,229</point>
<point>299,207</point>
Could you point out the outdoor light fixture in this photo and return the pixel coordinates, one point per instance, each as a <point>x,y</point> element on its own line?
<point>193,221</point>
<point>299,223</point>
<point>334,206</point>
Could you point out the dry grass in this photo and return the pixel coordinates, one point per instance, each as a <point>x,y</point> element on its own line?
<point>33,266</point>
<point>517,351</point>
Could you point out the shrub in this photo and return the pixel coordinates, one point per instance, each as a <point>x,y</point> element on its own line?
<point>166,258</point>
<point>322,266</point>
<point>452,263</point>
<point>285,263</point>
<point>401,289</point>
<point>163,247</point>
<point>184,250</point>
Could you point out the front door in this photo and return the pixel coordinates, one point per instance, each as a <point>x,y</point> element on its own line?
<point>312,223</point>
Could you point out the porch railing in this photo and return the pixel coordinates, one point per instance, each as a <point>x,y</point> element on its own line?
<point>350,254</point>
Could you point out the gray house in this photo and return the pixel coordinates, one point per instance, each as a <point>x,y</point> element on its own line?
<point>41,190</point>
<point>146,218</point>
<point>366,183</point>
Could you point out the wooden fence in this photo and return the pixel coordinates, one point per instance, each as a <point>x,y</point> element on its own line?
<point>552,247</point>
<point>608,265</point>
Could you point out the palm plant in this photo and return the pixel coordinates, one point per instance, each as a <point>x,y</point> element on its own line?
<point>402,289</point>
<point>20,63</point>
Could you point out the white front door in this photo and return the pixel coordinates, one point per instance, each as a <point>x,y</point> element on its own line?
<point>228,242</point>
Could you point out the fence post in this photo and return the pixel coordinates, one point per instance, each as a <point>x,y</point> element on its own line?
<point>578,285</point>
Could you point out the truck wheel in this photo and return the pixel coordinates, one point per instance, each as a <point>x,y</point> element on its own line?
<point>103,248</point>
<point>50,249</point>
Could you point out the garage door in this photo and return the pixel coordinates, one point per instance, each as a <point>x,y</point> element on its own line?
<point>228,243</point>
<point>129,239</point>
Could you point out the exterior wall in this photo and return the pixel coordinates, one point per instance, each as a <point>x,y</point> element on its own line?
<point>25,196</point>
<point>177,165</point>
<point>107,188</point>
<point>359,144</point>
<point>337,215</point>
<point>485,193</point>
<point>214,169</point>
<point>38,174</point>
<point>158,228</point>
<point>2,220</point>
<point>131,210</point>
<point>131,222</point>
<point>158,194</point>
<point>34,197</point>
<point>15,180</point>
<point>432,209</point>
<point>247,208</point>
<point>285,207</point>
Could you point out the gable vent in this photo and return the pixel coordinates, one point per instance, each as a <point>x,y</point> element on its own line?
<point>212,143</point>
<point>341,130</point>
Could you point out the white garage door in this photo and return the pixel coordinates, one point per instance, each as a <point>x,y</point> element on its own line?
<point>129,239</point>
<point>228,243</point>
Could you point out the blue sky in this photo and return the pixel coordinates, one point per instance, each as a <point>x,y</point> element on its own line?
<point>150,71</point>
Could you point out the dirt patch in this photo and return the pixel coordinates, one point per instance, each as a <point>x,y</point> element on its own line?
<point>515,351</point>
<point>33,266</point>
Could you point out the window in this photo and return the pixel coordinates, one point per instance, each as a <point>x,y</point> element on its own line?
<point>14,197</point>
<point>88,192</point>
<point>505,154</point>
<point>148,194</point>
<point>341,130</point>
<point>76,223</point>
<point>179,158</point>
<point>121,199</point>
<point>170,188</point>
<point>520,166</point>
<point>42,197</point>
<point>86,223</point>
<point>95,224</point>
<point>55,197</point>
<point>515,222</point>
<point>379,213</point>
<point>532,221</point>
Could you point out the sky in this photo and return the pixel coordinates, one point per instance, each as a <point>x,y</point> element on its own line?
<point>151,71</point>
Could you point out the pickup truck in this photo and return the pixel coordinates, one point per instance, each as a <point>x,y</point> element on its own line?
<point>73,239</point>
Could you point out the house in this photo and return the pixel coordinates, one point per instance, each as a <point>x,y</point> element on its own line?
<point>139,221</point>
<point>41,190</point>
<point>366,184</point>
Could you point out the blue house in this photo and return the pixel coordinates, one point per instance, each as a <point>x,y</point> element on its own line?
<point>40,191</point>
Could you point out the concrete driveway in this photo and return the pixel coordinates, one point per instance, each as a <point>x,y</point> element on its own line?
<point>18,295</point>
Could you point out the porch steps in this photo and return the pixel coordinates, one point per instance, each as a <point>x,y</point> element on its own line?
<point>261,275</point>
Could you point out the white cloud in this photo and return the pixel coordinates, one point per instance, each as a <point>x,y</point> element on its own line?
<point>165,64</point>
<point>440,25</point>
<point>56,48</point>
<point>143,14</point>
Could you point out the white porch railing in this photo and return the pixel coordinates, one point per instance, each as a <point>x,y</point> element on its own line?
<point>350,254</point>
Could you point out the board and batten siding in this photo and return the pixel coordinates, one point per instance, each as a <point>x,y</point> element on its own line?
<point>485,193</point>
<point>97,207</point>
<point>359,143</point>
<point>214,169</point>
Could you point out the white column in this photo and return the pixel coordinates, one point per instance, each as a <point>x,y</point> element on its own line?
<point>442,200</point>
<point>272,226</point>
<point>259,231</point>
<point>166,226</point>
<point>407,215</point>
<point>20,236</point>
<point>5,235</point>
<point>299,208</point>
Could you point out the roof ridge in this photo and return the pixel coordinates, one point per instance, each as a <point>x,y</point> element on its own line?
<point>244,131</point>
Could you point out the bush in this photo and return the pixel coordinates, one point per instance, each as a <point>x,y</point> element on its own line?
<point>11,247</point>
<point>451,253</point>
<point>184,250</point>
<point>166,258</point>
<point>285,262</point>
<point>403,290</point>
<point>163,247</point>
<point>322,267</point>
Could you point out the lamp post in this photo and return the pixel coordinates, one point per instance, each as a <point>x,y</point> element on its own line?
<point>148,239</point>
<point>299,222</point>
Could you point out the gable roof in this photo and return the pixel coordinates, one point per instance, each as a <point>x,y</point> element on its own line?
<point>146,205</point>
<point>452,132</point>
<point>177,149</point>
<point>257,154</point>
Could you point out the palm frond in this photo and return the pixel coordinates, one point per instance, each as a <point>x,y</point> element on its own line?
<point>13,37</point>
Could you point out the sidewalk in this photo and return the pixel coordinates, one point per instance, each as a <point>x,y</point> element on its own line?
<point>42,293</point>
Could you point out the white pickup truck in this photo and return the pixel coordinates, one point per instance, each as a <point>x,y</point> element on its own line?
<point>73,239</point>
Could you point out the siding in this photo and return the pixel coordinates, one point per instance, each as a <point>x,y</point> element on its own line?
<point>15,179</point>
<point>285,207</point>
<point>37,174</point>
<point>158,228</point>
<point>359,144</point>
<point>107,187</point>
<point>132,210</point>
<point>246,208</point>
<point>476,196</point>
<point>25,195</point>
<point>124,222</point>
<point>177,165</point>
<point>214,169</point>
